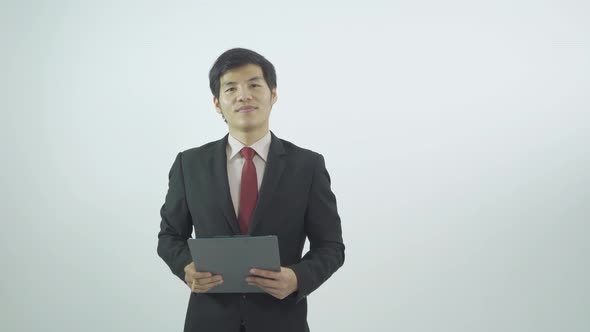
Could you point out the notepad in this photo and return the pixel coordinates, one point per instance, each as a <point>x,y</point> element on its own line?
<point>233,257</point>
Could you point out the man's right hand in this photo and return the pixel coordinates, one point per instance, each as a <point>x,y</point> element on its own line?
<point>200,282</point>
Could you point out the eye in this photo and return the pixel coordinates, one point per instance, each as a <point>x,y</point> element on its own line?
<point>255,85</point>
<point>230,89</point>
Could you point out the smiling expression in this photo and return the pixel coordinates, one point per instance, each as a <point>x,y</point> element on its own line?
<point>245,99</point>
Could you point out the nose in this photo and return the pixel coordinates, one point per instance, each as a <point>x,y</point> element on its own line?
<point>244,94</point>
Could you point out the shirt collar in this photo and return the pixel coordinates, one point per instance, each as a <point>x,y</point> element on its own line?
<point>262,146</point>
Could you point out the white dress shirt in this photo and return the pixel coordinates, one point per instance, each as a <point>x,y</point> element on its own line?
<point>235,163</point>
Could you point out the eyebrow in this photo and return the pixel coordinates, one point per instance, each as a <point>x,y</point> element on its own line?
<point>255,78</point>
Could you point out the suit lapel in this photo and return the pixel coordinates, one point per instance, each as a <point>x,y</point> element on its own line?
<point>220,186</point>
<point>275,165</point>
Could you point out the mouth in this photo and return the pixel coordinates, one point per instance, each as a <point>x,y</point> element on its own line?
<point>246,109</point>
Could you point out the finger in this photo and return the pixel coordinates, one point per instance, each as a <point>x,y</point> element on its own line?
<point>190,277</point>
<point>199,275</point>
<point>204,288</point>
<point>205,281</point>
<point>265,273</point>
<point>264,282</point>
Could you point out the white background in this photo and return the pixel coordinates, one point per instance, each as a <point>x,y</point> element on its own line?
<point>456,134</point>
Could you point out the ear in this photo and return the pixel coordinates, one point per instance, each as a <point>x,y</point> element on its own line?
<point>273,96</point>
<point>216,103</point>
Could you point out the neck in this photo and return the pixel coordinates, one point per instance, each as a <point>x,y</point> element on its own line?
<point>249,137</point>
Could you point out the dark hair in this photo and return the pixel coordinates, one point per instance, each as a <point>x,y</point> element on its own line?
<point>237,57</point>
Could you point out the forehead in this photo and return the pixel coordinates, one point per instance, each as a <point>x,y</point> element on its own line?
<point>242,73</point>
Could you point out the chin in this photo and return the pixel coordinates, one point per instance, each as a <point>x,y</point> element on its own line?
<point>245,127</point>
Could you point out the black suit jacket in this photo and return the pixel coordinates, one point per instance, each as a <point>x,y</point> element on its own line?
<point>295,201</point>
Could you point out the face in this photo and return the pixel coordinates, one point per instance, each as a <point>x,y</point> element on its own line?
<point>245,100</point>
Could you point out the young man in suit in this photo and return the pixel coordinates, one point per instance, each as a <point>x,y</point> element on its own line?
<point>251,182</point>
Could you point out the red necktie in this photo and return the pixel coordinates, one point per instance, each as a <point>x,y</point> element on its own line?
<point>248,190</point>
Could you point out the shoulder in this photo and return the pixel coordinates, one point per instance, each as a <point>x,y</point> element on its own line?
<point>291,147</point>
<point>201,153</point>
<point>301,154</point>
<point>204,149</point>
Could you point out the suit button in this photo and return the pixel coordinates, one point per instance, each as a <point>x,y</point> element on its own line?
<point>244,297</point>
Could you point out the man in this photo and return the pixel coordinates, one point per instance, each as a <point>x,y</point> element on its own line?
<point>251,182</point>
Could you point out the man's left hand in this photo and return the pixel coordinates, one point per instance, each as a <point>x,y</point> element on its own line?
<point>278,284</point>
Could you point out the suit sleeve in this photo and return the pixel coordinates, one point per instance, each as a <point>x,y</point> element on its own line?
<point>324,231</point>
<point>176,224</point>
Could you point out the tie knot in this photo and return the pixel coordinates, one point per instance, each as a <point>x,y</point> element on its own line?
<point>248,153</point>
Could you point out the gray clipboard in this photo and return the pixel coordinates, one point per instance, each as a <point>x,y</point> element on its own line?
<point>233,257</point>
